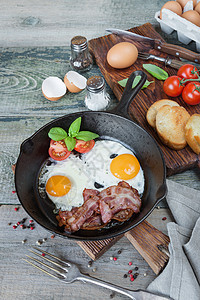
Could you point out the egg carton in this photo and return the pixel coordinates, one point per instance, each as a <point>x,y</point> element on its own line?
<point>186,31</point>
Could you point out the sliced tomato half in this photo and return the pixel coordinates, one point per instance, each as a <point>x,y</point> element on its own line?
<point>58,150</point>
<point>83,147</point>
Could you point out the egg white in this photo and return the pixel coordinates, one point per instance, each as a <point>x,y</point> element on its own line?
<point>97,163</point>
<point>84,171</point>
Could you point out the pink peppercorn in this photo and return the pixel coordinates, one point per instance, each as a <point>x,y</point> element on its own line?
<point>13,192</point>
<point>132,279</point>
<point>14,226</point>
<point>52,236</point>
<point>130,263</point>
<point>31,228</point>
<point>16,208</point>
<point>114,258</point>
<point>130,271</point>
<point>164,218</point>
<point>30,221</point>
<point>43,254</point>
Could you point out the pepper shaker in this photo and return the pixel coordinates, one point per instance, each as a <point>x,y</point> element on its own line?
<point>81,59</point>
<point>96,96</point>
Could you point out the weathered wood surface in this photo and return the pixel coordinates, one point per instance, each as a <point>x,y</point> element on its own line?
<point>35,30</point>
<point>42,23</point>
<point>20,280</point>
<point>176,161</point>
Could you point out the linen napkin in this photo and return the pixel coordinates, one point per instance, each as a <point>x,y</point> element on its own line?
<point>180,279</point>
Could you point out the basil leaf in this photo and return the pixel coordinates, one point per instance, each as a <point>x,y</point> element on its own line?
<point>70,143</point>
<point>57,134</point>
<point>155,71</point>
<point>86,136</point>
<point>123,82</point>
<point>74,127</point>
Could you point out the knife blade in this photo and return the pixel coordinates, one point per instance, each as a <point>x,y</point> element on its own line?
<point>158,45</point>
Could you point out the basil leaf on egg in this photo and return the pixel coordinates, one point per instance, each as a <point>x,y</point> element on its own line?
<point>156,71</point>
<point>57,134</point>
<point>86,136</point>
<point>123,82</point>
<point>70,143</point>
<point>74,127</point>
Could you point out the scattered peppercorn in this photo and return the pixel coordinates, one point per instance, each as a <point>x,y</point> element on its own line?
<point>115,258</point>
<point>16,208</point>
<point>145,274</point>
<point>18,223</point>
<point>112,295</point>
<point>130,263</point>
<point>130,271</point>
<point>13,192</point>
<point>164,218</point>
<point>24,241</point>
<point>119,252</point>
<point>43,254</point>
<point>44,239</point>
<point>31,228</point>
<point>39,242</point>
<point>52,236</point>
<point>22,226</point>
<point>125,275</point>
<point>136,268</point>
<point>135,275</point>
<point>111,258</point>
<point>9,223</point>
<point>30,221</point>
<point>94,270</point>
<point>14,226</point>
<point>89,263</point>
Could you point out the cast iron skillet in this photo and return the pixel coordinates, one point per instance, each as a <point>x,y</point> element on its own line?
<point>115,125</point>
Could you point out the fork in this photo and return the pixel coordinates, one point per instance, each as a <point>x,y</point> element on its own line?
<point>69,272</point>
<point>174,63</point>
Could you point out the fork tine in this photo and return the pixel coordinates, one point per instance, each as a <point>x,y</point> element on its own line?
<point>57,258</point>
<point>41,269</point>
<point>51,261</point>
<point>143,55</point>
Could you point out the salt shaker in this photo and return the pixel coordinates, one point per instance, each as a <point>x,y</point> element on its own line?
<point>96,96</point>
<point>81,59</point>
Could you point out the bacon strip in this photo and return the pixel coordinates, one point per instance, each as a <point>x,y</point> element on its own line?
<point>115,202</point>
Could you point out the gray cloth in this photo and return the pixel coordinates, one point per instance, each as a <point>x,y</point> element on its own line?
<point>180,279</point>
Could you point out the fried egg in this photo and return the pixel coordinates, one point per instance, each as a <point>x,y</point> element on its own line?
<point>110,162</point>
<point>105,165</point>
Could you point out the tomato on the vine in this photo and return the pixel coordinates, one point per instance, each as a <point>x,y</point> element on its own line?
<point>188,71</point>
<point>172,86</point>
<point>191,93</point>
<point>58,150</point>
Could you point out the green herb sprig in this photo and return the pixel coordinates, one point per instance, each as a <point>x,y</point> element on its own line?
<point>156,71</point>
<point>58,134</point>
<point>137,78</point>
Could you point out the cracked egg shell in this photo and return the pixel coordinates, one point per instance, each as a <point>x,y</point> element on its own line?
<point>75,82</point>
<point>53,88</point>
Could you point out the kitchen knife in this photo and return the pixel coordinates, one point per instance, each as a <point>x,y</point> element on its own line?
<point>159,45</point>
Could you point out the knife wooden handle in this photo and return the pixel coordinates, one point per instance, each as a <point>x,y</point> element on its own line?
<point>177,51</point>
<point>175,63</point>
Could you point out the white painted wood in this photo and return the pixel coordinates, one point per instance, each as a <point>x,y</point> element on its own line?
<point>49,23</point>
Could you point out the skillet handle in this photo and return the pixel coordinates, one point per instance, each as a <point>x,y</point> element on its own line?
<point>129,94</point>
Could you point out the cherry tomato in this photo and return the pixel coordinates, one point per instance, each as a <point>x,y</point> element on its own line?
<point>83,147</point>
<point>172,86</point>
<point>58,150</point>
<point>187,72</point>
<point>191,93</point>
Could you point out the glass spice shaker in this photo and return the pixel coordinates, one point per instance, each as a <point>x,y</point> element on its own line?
<point>81,59</point>
<point>96,96</point>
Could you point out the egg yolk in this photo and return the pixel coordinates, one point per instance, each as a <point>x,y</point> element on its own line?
<point>125,166</point>
<point>58,185</point>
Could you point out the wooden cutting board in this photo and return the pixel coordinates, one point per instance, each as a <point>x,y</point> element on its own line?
<point>176,161</point>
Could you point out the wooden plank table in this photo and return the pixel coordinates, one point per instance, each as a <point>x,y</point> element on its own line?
<point>35,44</point>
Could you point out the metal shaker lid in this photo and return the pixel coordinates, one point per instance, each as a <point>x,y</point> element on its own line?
<point>95,84</point>
<point>78,43</point>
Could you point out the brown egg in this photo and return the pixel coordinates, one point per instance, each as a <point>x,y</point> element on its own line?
<point>75,82</point>
<point>173,6</point>
<point>192,16</point>
<point>184,2</point>
<point>197,8</point>
<point>122,55</point>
